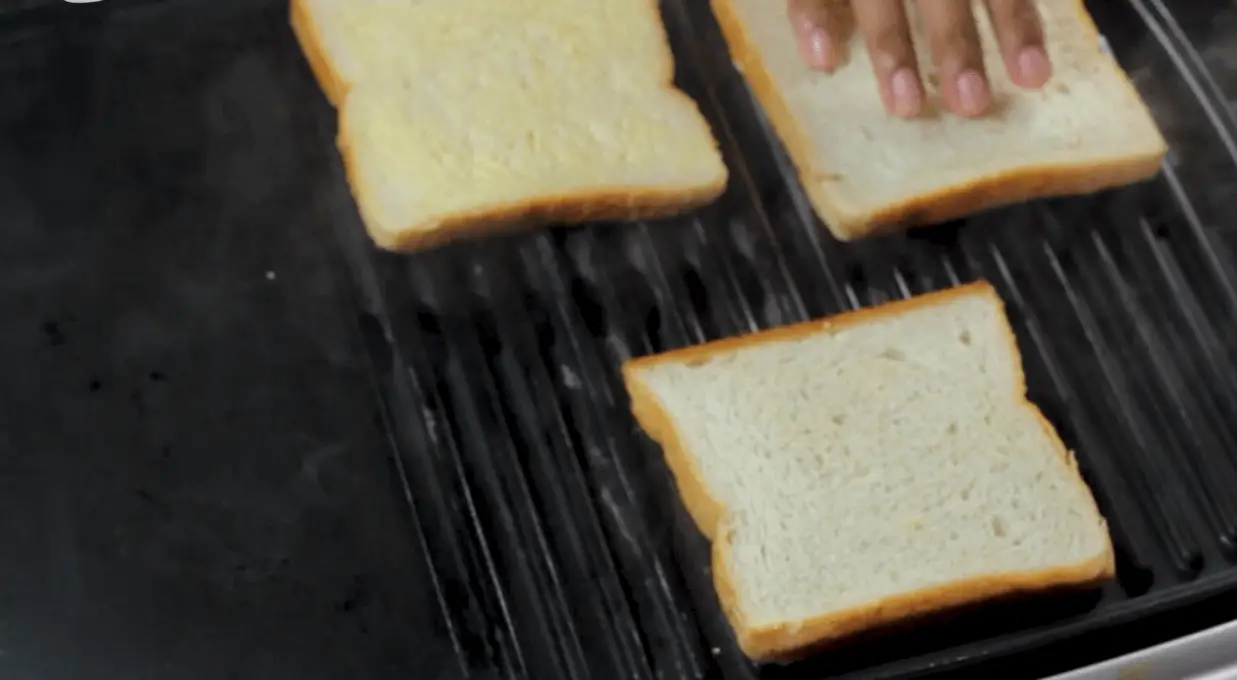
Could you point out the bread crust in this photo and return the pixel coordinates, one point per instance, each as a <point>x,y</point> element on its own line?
<point>605,204</point>
<point>789,638</point>
<point>977,194</point>
<point>310,39</point>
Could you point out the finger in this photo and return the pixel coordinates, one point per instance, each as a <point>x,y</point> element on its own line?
<point>888,36</point>
<point>1021,36</point>
<point>957,55</point>
<point>820,42</point>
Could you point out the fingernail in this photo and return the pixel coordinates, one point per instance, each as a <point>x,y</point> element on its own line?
<point>820,51</point>
<point>972,93</point>
<point>1033,65</point>
<point>906,91</point>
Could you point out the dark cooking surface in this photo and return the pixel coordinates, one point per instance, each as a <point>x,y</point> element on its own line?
<point>201,355</point>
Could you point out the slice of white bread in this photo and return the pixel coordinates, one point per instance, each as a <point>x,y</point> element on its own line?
<point>474,115</point>
<point>865,171</point>
<point>869,468</point>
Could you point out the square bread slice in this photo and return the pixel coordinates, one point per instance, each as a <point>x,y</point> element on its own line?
<point>475,115</point>
<point>865,171</point>
<point>869,468</point>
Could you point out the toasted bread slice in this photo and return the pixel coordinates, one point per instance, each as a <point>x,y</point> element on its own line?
<point>472,115</point>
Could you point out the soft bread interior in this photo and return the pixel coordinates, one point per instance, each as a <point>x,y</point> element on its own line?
<point>1087,129</point>
<point>864,460</point>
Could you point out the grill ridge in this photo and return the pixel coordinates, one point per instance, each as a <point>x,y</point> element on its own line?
<point>516,343</point>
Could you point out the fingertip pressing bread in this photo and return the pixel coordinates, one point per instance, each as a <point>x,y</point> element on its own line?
<point>865,171</point>
<point>472,115</point>
<point>869,468</point>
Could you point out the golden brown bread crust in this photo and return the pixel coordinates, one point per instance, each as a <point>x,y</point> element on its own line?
<point>789,638</point>
<point>609,204</point>
<point>310,39</point>
<point>976,195</point>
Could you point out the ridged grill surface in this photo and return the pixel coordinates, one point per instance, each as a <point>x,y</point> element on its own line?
<point>556,544</point>
<point>556,535</point>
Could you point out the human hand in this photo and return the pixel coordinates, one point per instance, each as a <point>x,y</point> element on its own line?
<point>822,28</point>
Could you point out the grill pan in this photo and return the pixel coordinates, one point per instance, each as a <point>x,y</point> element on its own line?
<point>551,543</point>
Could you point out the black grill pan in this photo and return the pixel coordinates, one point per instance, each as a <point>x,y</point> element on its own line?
<point>1124,305</point>
<point>555,544</point>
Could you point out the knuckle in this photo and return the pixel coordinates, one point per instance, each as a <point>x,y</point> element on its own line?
<point>891,41</point>
<point>951,47</point>
<point>955,41</point>
<point>1026,21</point>
<point>1018,19</point>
